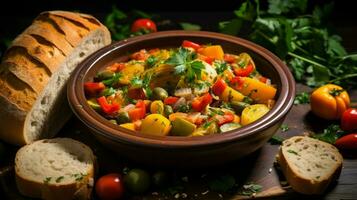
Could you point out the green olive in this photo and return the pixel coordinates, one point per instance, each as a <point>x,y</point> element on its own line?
<point>160,179</point>
<point>105,74</point>
<point>137,181</point>
<point>123,117</point>
<point>159,93</point>
<point>182,127</point>
<point>238,107</point>
<point>168,110</point>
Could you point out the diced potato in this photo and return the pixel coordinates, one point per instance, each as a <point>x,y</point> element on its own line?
<point>253,113</point>
<point>214,51</point>
<point>155,124</point>
<point>229,94</point>
<point>258,91</point>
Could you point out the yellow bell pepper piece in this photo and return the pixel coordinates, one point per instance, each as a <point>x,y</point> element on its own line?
<point>258,91</point>
<point>129,126</point>
<point>253,113</point>
<point>214,51</point>
<point>229,94</point>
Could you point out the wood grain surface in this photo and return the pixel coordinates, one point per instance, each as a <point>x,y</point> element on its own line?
<point>193,183</point>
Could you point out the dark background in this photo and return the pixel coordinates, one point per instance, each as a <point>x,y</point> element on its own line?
<point>15,16</point>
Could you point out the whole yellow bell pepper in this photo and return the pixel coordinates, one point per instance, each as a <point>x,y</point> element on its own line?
<point>329,101</point>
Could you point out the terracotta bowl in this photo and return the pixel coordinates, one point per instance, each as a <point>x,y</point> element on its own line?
<point>183,151</point>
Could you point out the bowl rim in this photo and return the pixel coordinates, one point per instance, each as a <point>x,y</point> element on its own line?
<point>100,125</point>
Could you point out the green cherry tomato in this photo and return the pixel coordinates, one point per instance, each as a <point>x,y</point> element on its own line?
<point>137,181</point>
<point>110,187</point>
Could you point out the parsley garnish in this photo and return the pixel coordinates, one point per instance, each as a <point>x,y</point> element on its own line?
<point>112,80</point>
<point>151,61</point>
<point>292,151</point>
<point>108,91</point>
<point>250,189</point>
<point>276,140</point>
<point>330,134</point>
<point>184,63</point>
<point>284,128</point>
<point>47,180</point>
<point>142,83</point>
<point>207,124</point>
<point>302,98</point>
<point>59,179</point>
<point>220,66</point>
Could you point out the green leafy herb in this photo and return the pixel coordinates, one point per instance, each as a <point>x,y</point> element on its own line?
<point>302,98</point>
<point>302,39</point>
<point>330,134</point>
<point>59,179</point>
<point>207,124</point>
<point>215,111</point>
<point>250,189</point>
<point>222,183</point>
<point>184,108</point>
<point>292,151</point>
<point>276,140</point>
<point>184,63</point>
<point>284,128</point>
<point>151,61</point>
<point>113,80</point>
<point>144,82</point>
<point>108,91</point>
<point>47,180</point>
<point>190,27</point>
<point>220,66</point>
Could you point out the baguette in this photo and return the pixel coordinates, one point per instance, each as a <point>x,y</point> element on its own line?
<point>35,69</point>
<point>51,169</point>
<point>308,164</point>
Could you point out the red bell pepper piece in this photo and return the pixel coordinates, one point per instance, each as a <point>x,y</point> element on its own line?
<point>237,82</point>
<point>223,119</point>
<point>116,67</point>
<point>244,71</point>
<point>219,86</point>
<point>138,112</point>
<point>93,88</point>
<point>199,103</point>
<point>189,44</point>
<point>263,79</point>
<point>229,58</point>
<point>106,107</point>
<point>349,119</point>
<point>171,100</point>
<point>347,142</point>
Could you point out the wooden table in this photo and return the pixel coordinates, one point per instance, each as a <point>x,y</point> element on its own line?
<point>192,184</point>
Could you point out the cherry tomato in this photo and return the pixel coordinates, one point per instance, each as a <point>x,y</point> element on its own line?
<point>110,187</point>
<point>137,181</point>
<point>349,119</point>
<point>244,71</point>
<point>229,58</point>
<point>189,44</point>
<point>347,142</point>
<point>144,23</point>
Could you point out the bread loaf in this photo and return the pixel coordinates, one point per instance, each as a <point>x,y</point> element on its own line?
<point>51,169</point>
<point>308,164</point>
<point>34,71</point>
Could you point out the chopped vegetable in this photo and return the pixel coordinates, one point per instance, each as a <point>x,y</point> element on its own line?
<point>106,107</point>
<point>199,103</point>
<point>258,91</point>
<point>213,51</point>
<point>130,126</point>
<point>138,112</point>
<point>219,86</point>
<point>189,44</point>
<point>92,88</point>
<point>229,127</point>
<point>155,124</point>
<point>157,107</point>
<point>253,113</point>
<point>182,127</point>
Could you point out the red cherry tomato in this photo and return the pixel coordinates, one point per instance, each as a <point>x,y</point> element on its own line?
<point>244,71</point>
<point>347,142</point>
<point>143,23</point>
<point>190,44</point>
<point>349,119</point>
<point>110,187</point>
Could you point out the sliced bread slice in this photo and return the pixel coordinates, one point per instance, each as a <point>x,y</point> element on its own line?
<point>60,168</point>
<point>308,164</point>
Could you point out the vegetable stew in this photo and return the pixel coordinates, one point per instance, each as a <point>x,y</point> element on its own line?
<point>192,90</point>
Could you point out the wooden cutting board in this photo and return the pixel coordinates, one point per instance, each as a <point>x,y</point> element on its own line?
<point>256,168</point>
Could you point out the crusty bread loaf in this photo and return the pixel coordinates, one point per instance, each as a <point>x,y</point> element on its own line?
<point>59,168</point>
<point>308,164</point>
<point>34,71</point>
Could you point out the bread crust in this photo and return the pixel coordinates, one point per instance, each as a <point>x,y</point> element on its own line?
<point>301,184</point>
<point>39,51</point>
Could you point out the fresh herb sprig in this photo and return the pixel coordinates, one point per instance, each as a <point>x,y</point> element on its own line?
<point>330,134</point>
<point>185,64</point>
<point>302,98</point>
<point>303,40</point>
